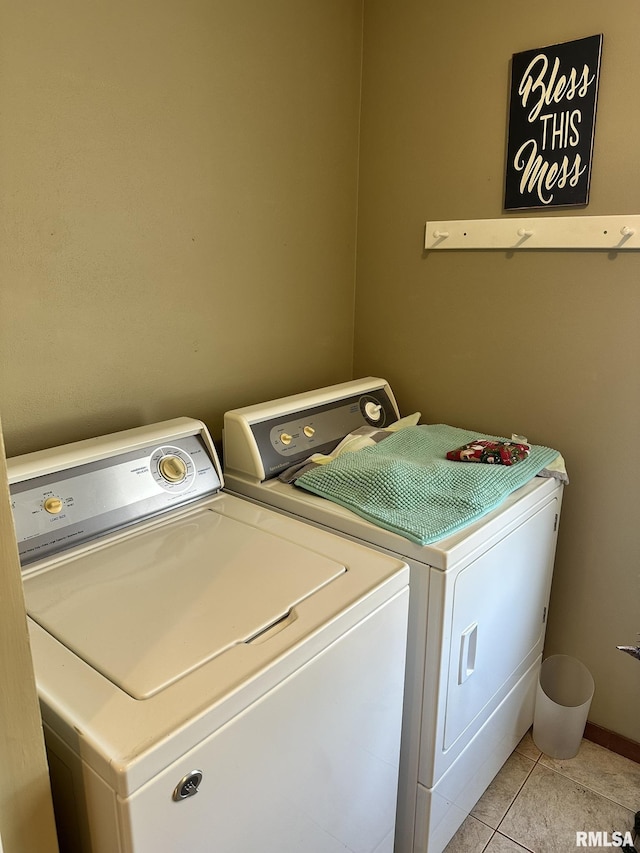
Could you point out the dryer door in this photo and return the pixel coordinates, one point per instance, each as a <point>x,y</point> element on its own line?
<point>498,622</point>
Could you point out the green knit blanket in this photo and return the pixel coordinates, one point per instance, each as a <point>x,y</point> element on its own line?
<point>405,483</point>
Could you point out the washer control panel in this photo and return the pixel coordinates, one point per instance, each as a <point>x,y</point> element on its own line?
<point>79,503</point>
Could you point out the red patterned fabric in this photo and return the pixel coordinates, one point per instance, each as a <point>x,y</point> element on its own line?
<point>491,452</point>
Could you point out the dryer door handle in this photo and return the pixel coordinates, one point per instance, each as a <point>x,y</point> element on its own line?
<point>468,648</point>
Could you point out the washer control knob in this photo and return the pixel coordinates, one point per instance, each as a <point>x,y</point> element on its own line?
<point>187,786</point>
<point>285,438</point>
<point>373,410</point>
<point>53,505</point>
<point>172,469</point>
<point>309,431</point>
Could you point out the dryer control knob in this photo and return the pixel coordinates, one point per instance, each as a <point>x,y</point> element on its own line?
<point>53,505</point>
<point>309,431</point>
<point>285,438</point>
<point>373,410</point>
<point>172,468</point>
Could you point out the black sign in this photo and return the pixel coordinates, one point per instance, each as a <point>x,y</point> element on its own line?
<point>552,117</point>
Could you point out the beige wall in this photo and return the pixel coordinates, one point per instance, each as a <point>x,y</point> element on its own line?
<point>544,344</point>
<point>179,207</point>
<point>26,812</point>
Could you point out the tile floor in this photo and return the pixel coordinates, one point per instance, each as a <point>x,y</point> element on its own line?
<point>538,804</point>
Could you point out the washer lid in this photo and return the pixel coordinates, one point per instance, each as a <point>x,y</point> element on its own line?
<point>150,608</point>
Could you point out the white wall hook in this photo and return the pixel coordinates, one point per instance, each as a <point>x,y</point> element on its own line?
<point>535,233</point>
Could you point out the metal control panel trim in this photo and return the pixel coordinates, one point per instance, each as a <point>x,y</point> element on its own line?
<point>62,509</point>
<point>293,436</point>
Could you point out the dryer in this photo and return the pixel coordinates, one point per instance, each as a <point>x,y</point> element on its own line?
<point>478,602</point>
<point>212,675</point>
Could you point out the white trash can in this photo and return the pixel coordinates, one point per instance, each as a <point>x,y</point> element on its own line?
<point>563,698</point>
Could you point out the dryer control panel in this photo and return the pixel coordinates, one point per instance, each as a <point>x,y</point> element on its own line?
<point>99,486</point>
<point>264,440</point>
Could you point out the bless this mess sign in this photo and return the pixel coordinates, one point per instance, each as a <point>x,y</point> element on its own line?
<point>554,91</point>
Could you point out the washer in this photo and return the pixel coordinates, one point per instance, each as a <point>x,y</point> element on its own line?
<point>477,614</point>
<point>212,674</point>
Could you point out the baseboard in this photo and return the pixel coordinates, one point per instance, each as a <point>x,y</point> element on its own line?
<point>614,742</point>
